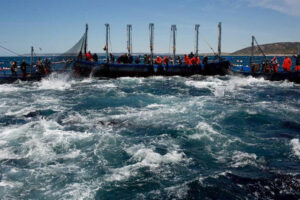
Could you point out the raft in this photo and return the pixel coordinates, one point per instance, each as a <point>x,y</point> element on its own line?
<point>97,69</point>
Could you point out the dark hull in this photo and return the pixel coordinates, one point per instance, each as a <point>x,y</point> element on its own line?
<point>11,79</point>
<point>279,76</point>
<point>85,68</point>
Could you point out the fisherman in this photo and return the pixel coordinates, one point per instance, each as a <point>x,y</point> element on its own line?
<point>191,55</point>
<point>95,57</point>
<point>130,58</point>
<point>187,60</point>
<point>79,57</point>
<point>275,64</point>
<point>146,61</point>
<point>112,58</point>
<point>47,66</point>
<point>179,60</point>
<point>205,60</point>
<point>198,61</point>
<point>13,68</point>
<point>138,60</point>
<point>166,60</point>
<point>158,60</point>
<point>23,68</point>
<point>287,63</point>
<point>297,68</point>
<point>39,67</point>
<point>88,56</point>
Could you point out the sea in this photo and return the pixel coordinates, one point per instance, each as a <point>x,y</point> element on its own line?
<point>198,137</point>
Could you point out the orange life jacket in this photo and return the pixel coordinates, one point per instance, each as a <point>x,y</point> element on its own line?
<point>198,60</point>
<point>187,60</point>
<point>166,60</point>
<point>287,63</point>
<point>158,60</point>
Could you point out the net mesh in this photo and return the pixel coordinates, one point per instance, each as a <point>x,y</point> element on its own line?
<point>80,46</point>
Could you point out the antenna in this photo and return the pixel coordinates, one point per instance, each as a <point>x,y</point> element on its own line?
<point>86,36</point>
<point>174,29</point>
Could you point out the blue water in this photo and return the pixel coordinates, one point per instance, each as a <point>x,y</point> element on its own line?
<point>150,138</point>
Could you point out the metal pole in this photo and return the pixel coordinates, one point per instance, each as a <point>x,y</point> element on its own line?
<point>31,59</point>
<point>129,41</point>
<point>252,51</point>
<point>197,39</point>
<point>151,31</point>
<point>86,36</point>
<point>106,45</point>
<point>173,29</point>
<point>220,39</point>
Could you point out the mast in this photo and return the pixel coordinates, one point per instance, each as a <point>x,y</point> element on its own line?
<point>129,39</point>
<point>220,39</point>
<point>86,37</point>
<point>107,38</point>
<point>252,51</point>
<point>197,39</point>
<point>173,29</point>
<point>31,59</point>
<point>151,35</point>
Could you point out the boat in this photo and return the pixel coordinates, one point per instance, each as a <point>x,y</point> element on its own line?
<point>257,70</point>
<point>108,68</point>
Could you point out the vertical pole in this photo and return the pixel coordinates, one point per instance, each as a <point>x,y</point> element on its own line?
<point>197,39</point>
<point>252,51</point>
<point>86,36</point>
<point>31,59</point>
<point>129,39</point>
<point>151,32</point>
<point>220,39</point>
<point>173,29</point>
<point>106,45</point>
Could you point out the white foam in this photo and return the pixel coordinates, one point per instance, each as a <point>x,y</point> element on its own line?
<point>242,159</point>
<point>296,147</point>
<point>56,82</point>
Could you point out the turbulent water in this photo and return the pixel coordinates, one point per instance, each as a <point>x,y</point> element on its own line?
<point>150,138</point>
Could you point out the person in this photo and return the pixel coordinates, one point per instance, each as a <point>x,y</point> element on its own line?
<point>158,60</point>
<point>47,66</point>
<point>23,68</point>
<point>191,55</point>
<point>179,60</point>
<point>205,60</point>
<point>297,68</point>
<point>166,60</point>
<point>88,56</point>
<point>138,60</point>
<point>287,63</point>
<point>187,60</point>
<point>79,57</point>
<point>39,67</point>
<point>95,57</point>
<point>198,61</point>
<point>275,64</point>
<point>130,58</point>
<point>13,68</point>
<point>112,58</point>
<point>193,60</point>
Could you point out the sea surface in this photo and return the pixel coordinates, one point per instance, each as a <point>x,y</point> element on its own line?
<point>159,137</point>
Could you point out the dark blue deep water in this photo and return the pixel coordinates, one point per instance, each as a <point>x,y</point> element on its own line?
<point>150,138</point>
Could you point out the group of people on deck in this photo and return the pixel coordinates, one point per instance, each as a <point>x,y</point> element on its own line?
<point>286,65</point>
<point>42,67</point>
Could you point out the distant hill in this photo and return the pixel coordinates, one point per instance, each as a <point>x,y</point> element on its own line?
<point>281,48</point>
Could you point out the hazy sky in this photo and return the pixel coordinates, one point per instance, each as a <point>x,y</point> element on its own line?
<point>56,25</point>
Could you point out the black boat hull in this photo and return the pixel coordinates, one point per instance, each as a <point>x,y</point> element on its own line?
<point>279,76</point>
<point>86,68</point>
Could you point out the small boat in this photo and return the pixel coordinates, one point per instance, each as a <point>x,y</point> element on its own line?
<point>257,70</point>
<point>108,68</point>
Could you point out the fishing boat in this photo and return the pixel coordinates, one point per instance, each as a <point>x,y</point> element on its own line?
<point>108,68</point>
<point>257,70</point>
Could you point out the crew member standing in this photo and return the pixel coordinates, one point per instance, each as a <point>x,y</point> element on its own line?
<point>297,68</point>
<point>287,63</point>
<point>23,68</point>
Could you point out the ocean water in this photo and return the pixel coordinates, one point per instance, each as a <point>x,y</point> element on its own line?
<point>150,138</point>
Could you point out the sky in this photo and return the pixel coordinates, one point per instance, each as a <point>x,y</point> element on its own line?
<point>54,26</point>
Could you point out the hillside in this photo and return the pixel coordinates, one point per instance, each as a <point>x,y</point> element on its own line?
<point>281,48</point>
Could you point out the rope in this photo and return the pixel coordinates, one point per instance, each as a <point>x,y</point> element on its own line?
<point>208,43</point>
<point>10,51</point>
